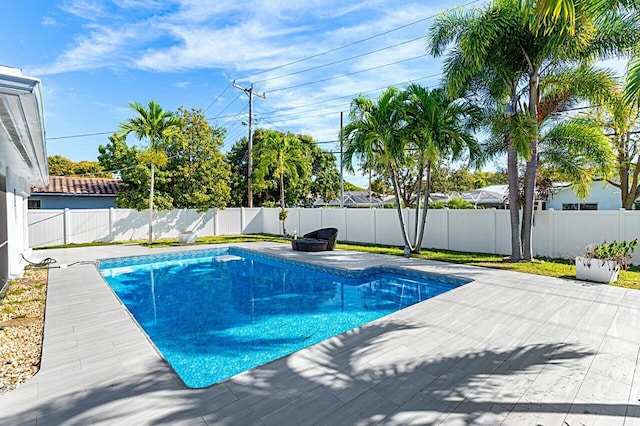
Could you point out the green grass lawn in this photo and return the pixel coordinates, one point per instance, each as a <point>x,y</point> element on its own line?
<point>561,268</point>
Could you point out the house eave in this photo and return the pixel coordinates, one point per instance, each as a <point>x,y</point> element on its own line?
<point>22,128</point>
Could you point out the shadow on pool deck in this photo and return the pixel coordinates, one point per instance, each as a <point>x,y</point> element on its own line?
<point>337,382</point>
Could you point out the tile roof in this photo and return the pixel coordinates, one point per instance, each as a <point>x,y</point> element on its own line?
<point>79,186</point>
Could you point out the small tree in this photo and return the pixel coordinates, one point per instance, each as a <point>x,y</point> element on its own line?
<point>155,126</point>
<point>280,156</point>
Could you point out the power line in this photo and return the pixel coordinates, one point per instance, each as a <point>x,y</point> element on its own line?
<point>351,95</point>
<point>341,60</point>
<point>335,49</point>
<point>216,98</point>
<point>347,74</point>
<point>82,135</point>
<point>227,107</point>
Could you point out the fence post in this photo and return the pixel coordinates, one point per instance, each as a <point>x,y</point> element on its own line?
<point>241,220</point>
<point>112,220</point>
<point>622,224</point>
<point>67,225</point>
<point>216,223</point>
<point>446,227</point>
<point>495,230</point>
<point>375,225</point>
<point>551,244</point>
<point>346,224</point>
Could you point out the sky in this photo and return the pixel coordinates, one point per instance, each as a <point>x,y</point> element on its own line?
<point>309,58</point>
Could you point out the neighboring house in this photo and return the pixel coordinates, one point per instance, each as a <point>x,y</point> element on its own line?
<point>73,192</point>
<point>23,164</point>
<point>352,199</point>
<point>603,196</point>
<point>492,196</point>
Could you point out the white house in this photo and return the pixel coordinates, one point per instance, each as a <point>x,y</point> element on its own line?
<point>23,163</point>
<point>603,196</point>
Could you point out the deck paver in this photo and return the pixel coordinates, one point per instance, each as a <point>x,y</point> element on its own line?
<point>506,348</point>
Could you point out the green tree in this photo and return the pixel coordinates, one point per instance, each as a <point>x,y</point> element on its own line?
<point>519,66</point>
<point>348,186</point>
<point>278,157</point>
<point>418,121</point>
<point>324,181</point>
<point>236,158</point>
<point>437,129</point>
<point>60,166</point>
<point>371,139</point>
<point>199,174</point>
<point>157,127</point>
<point>619,118</point>
<point>117,155</point>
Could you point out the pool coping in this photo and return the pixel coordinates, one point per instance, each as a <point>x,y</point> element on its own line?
<point>98,368</point>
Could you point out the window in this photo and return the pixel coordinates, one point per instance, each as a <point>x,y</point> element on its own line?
<point>34,204</point>
<point>580,206</point>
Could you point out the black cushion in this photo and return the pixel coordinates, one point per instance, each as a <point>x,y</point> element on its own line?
<point>309,244</point>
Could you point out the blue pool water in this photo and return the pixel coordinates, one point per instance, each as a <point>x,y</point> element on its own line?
<point>216,313</point>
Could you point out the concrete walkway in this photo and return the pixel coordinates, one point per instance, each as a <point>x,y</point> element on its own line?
<point>507,348</point>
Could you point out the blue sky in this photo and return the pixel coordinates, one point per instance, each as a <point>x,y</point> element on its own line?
<point>96,56</point>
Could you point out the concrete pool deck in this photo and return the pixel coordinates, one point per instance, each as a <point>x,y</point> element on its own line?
<point>507,348</point>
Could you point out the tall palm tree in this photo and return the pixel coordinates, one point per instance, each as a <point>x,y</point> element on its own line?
<point>408,129</point>
<point>436,128</point>
<point>281,156</point>
<point>373,137</point>
<point>156,126</point>
<point>479,37</point>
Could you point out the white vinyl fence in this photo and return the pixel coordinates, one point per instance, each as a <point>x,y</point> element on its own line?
<point>559,234</point>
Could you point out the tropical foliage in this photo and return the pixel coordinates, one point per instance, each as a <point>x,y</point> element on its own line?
<point>406,131</point>
<point>194,175</point>
<point>62,166</point>
<point>511,74</point>
<point>279,156</point>
<point>323,179</point>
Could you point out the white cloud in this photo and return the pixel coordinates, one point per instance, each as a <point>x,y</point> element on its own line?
<point>48,21</point>
<point>85,9</point>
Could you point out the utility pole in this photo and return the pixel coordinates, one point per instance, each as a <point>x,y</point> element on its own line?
<point>249,91</point>
<point>341,164</point>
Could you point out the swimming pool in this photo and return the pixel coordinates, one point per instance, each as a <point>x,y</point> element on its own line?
<point>215,313</point>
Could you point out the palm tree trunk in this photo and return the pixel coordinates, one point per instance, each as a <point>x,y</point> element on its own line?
<point>425,207</point>
<point>284,231</point>
<point>394,180</point>
<point>417,219</point>
<point>530,173</point>
<point>151,204</point>
<point>514,204</point>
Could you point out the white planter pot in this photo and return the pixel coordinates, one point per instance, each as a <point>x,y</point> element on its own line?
<point>602,271</point>
<point>187,238</point>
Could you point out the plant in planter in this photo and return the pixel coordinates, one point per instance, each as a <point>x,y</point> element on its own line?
<point>602,262</point>
<point>283,217</point>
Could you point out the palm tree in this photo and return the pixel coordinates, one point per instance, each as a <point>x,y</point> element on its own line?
<point>373,137</point>
<point>436,128</point>
<point>156,126</point>
<point>280,155</point>
<point>411,129</point>
<point>619,118</point>
<point>533,52</point>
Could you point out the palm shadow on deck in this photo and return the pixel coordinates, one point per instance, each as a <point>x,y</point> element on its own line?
<point>344,380</point>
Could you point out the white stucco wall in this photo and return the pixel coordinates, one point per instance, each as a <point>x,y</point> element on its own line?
<point>15,203</point>
<point>605,195</point>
